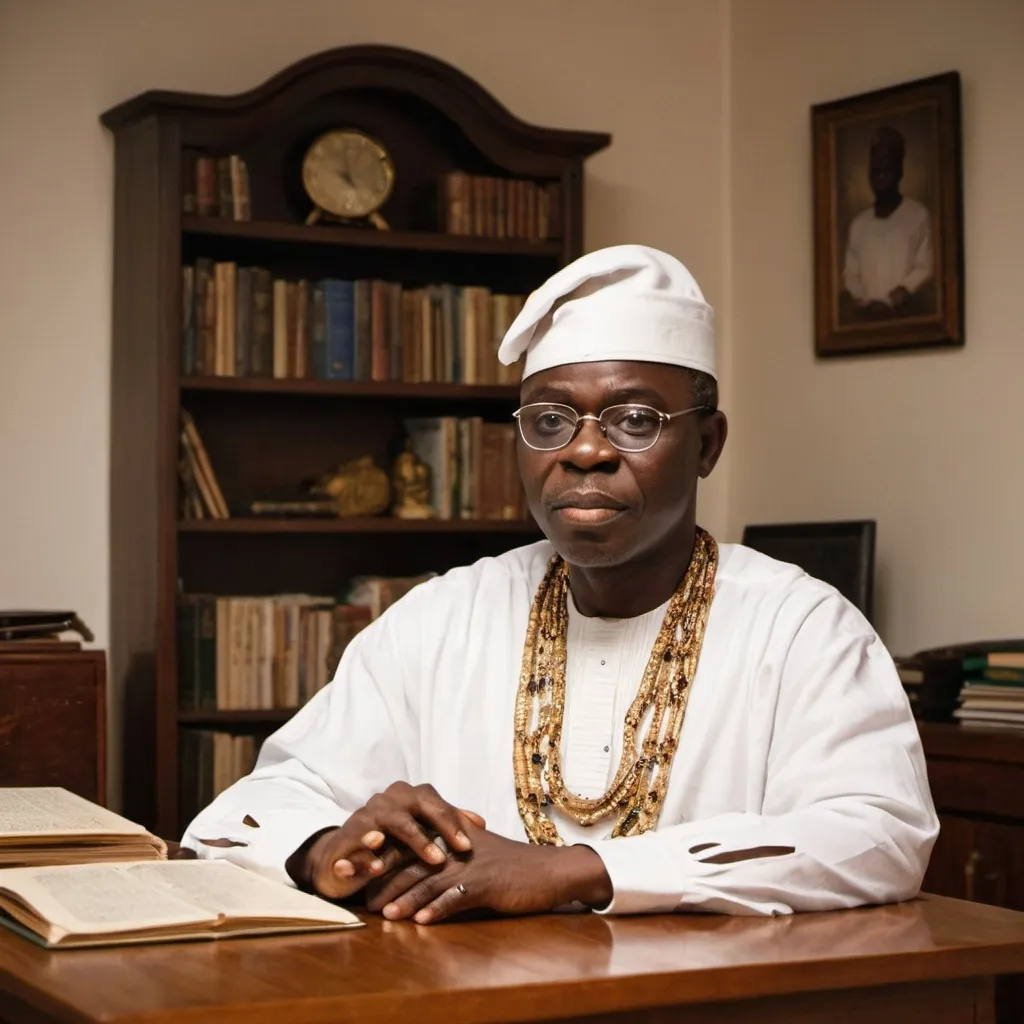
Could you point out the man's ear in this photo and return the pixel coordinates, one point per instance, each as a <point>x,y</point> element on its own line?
<point>713,431</point>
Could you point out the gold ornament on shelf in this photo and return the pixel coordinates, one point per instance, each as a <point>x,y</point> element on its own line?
<point>358,488</point>
<point>348,176</point>
<point>410,482</point>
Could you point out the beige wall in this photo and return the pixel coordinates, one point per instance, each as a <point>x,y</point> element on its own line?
<point>708,103</point>
<point>590,64</point>
<point>929,444</point>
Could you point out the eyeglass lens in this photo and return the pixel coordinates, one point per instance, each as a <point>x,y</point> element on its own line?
<point>627,427</point>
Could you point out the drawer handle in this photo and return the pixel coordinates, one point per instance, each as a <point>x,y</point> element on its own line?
<point>970,871</point>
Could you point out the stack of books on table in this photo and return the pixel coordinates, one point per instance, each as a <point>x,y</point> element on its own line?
<point>993,689</point>
<point>932,682</point>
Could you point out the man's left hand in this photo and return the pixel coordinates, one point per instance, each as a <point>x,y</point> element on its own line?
<point>499,874</point>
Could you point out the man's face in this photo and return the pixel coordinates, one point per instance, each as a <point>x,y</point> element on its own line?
<point>885,169</point>
<point>600,506</point>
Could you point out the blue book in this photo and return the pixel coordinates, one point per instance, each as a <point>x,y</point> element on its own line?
<point>339,318</point>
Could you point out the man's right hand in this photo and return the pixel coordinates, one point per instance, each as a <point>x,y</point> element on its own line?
<point>391,829</point>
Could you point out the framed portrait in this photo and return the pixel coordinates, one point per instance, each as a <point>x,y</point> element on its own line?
<point>888,221</point>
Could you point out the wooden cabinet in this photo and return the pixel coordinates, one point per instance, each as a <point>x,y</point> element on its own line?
<point>977,782</point>
<point>53,721</point>
<point>979,860</point>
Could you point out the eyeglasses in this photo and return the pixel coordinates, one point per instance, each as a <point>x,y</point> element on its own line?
<point>546,426</point>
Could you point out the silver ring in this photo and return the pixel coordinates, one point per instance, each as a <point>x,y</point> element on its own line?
<point>460,889</point>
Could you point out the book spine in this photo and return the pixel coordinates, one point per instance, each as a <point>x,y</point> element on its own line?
<point>206,316</point>
<point>318,333</point>
<point>225,193</point>
<point>261,362</point>
<point>340,317</point>
<point>379,355</point>
<point>280,307</point>
<point>291,322</point>
<point>451,305</point>
<point>468,334</point>
<point>426,338</point>
<point>230,304</point>
<point>394,300</point>
<point>239,188</point>
<point>302,332</point>
<point>243,322</point>
<point>362,343</point>
<point>410,343</point>
<point>206,186</point>
<point>206,652</point>
<point>444,342</point>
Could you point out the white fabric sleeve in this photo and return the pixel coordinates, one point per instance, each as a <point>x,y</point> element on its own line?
<point>923,265</point>
<point>352,740</point>
<point>851,265</point>
<point>846,789</point>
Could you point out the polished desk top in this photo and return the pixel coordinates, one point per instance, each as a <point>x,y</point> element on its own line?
<point>519,970</point>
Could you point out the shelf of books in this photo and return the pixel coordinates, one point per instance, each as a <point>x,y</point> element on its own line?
<point>247,663</point>
<point>257,346</point>
<point>245,322</point>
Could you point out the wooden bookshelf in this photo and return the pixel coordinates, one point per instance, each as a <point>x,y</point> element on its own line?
<point>358,524</point>
<point>266,433</point>
<point>359,238</point>
<point>354,388</point>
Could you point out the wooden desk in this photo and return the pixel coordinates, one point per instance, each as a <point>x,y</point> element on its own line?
<point>928,960</point>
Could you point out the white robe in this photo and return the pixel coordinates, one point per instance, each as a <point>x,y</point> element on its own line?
<point>885,253</point>
<point>797,734</point>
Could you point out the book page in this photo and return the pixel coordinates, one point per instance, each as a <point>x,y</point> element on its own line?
<point>219,887</point>
<point>121,897</point>
<point>98,898</point>
<point>50,810</point>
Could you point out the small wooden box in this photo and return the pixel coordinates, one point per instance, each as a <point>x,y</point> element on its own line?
<point>53,721</point>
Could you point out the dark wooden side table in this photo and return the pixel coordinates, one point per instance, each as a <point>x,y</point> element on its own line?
<point>977,781</point>
<point>53,721</point>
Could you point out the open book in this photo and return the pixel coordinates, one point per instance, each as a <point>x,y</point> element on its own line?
<point>70,906</point>
<point>49,825</point>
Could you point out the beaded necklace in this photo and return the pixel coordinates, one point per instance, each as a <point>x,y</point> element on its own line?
<point>638,789</point>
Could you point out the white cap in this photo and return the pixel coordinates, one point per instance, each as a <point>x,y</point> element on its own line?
<point>626,302</point>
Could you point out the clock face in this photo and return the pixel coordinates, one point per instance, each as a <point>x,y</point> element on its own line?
<point>348,174</point>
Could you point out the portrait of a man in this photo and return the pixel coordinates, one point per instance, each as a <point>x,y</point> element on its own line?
<point>889,257</point>
<point>887,219</point>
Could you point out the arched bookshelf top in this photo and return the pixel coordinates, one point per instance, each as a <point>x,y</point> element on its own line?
<point>495,130</point>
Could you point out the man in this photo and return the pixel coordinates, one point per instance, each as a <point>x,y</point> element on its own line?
<point>672,725</point>
<point>889,249</point>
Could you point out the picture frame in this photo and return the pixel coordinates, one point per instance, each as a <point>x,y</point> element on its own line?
<point>888,219</point>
